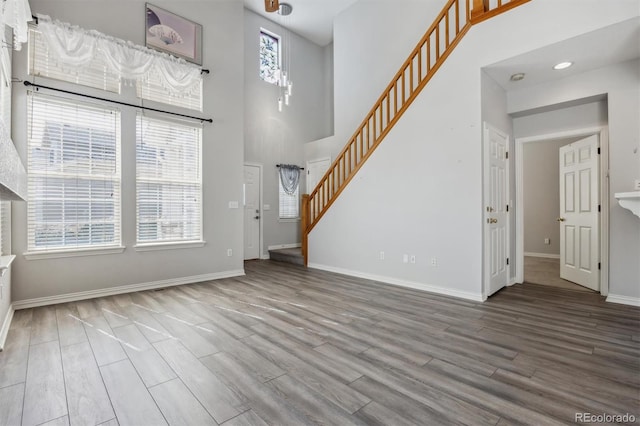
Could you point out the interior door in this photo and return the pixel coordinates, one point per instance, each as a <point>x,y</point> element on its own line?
<point>251,212</point>
<point>579,217</point>
<point>496,212</point>
<point>315,170</point>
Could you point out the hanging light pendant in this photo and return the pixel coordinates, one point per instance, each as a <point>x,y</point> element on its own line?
<point>289,87</point>
<point>280,104</point>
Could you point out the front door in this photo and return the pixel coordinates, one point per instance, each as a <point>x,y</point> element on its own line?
<point>579,217</point>
<point>315,170</point>
<point>496,209</point>
<point>251,212</point>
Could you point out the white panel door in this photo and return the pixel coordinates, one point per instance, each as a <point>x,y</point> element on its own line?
<point>496,211</point>
<point>315,170</point>
<point>579,217</point>
<point>251,212</point>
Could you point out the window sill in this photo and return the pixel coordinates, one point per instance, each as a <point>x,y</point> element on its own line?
<point>291,220</point>
<point>53,254</point>
<point>169,246</point>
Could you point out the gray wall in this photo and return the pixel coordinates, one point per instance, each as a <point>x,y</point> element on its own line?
<point>223,42</point>
<point>420,192</point>
<point>273,137</point>
<point>541,193</point>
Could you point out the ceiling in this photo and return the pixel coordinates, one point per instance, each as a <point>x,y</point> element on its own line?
<point>608,45</point>
<point>312,19</point>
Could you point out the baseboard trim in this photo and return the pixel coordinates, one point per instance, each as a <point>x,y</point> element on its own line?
<point>476,297</point>
<point>91,294</point>
<point>284,246</point>
<point>624,300</point>
<point>265,257</point>
<point>543,255</point>
<point>4,330</point>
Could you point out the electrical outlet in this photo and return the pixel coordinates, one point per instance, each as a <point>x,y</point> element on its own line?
<point>413,258</point>
<point>405,258</point>
<point>381,255</point>
<point>547,241</point>
<point>434,261</point>
<point>229,252</point>
<point>636,184</point>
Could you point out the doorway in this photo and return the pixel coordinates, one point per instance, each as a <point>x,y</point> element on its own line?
<point>315,170</point>
<point>562,214</point>
<point>252,195</point>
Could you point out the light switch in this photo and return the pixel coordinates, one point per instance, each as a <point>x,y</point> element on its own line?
<point>266,207</point>
<point>233,204</point>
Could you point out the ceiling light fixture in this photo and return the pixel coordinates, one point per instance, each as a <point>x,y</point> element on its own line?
<point>517,76</point>
<point>285,9</point>
<point>562,65</point>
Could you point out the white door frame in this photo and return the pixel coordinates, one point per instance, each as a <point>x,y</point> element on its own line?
<point>485,257</point>
<point>603,135</point>
<point>261,255</point>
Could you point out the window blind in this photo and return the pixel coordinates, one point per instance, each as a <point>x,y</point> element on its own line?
<point>289,204</point>
<point>43,63</point>
<point>168,181</point>
<point>74,175</point>
<point>152,89</point>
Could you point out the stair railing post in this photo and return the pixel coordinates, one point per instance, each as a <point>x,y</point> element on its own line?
<point>304,225</point>
<point>479,7</point>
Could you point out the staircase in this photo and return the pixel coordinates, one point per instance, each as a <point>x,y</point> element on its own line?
<point>451,24</point>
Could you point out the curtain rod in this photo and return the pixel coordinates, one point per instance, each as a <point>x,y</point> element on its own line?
<point>280,165</point>
<point>39,86</point>
<point>202,70</point>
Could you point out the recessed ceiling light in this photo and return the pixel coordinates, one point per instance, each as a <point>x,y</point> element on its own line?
<point>517,76</point>
<point>562,65</point>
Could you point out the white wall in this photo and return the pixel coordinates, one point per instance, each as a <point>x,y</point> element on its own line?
<point>223,141</point>
<point>621,84</point>
<point>273,137</point>
<point>421,191</point>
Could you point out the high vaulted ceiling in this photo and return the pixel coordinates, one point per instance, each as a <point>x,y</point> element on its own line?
<point>312,19</point>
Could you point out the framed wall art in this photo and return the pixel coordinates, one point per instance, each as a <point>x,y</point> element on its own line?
<point>168,32</point>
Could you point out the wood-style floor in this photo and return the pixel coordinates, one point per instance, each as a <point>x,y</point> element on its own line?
<point>286,345</point>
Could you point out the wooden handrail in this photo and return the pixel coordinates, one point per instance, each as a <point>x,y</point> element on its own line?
<point>450,25</point>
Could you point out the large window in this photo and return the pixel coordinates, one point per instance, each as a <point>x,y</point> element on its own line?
<point>74,175</point>
<point>269,57</point>
<point>169,181</point>
<point>289,203</point>
<point>44,62</point>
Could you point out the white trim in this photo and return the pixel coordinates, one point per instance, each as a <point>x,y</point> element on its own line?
<point>285,246</point>
<point>543,255</point>
<point>265,257</point>
<point>53,254</point>
<point>169,246</point>
<point>82,295</point>
<point>476,297</point>
<point>4,330</point>
<point>603,136</point>
<point>289,219</point>
<point>624,300</point>
<point>261,254</point>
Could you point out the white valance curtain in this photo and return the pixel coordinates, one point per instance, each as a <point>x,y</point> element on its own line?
<point>16,14</point>
<point>75,47</point>
<point>289,177</point>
